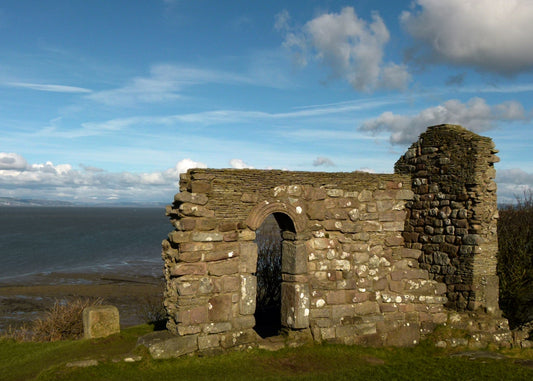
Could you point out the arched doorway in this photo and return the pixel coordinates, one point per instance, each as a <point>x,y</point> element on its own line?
<point>275,241</point>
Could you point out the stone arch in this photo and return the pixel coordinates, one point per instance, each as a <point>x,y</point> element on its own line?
<point>266,208</point>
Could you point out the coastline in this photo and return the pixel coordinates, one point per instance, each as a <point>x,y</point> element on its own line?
<point>24,299</point>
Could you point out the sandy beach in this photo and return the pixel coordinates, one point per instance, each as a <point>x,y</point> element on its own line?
<point>26,299</point>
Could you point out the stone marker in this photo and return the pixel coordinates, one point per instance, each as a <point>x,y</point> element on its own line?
<point>100,321</point>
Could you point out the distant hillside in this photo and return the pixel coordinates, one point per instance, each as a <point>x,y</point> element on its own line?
<point>10,201</point>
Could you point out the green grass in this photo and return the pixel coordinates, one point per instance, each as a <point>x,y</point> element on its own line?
<point>47,361</point>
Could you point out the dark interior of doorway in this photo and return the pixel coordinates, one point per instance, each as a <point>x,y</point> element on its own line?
<point>268,301</point>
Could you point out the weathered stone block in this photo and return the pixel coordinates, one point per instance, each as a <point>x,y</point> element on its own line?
<point>294,258</point>
<point>244,322</point>
<point>403,336</point>
<point>316,211</point>
<point>248,257</point>
<point>193,198</point>
<point>226,267</point>
<point>217,327</point>
<point>100,321</point>
<point>222,251</point>
<point>295,305</point>
<point>207,237</point>
<point>371,226</point>
<point>336,297</point>
<point>249,197</point>
<point>184,268</point>
<point>236,339</point>
<point>179,236</point>
<point>190,256</point>
<point>168,346</point>
<point>196,246</point>
<point>194,315</point>
<point>366,308</point>
<point>247,301</point>
<point>409,274</point>
<point>219,308</point>
<point>206,224</point>
<point>209,341</point>
<point>194,210</point>
<point>227,226</point>
<point>187,288</point>
<point>200,186</point>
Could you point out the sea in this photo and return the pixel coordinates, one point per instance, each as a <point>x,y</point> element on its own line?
<point>44,240</point>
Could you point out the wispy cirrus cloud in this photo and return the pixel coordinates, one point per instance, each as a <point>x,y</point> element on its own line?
<point>234,116</point>
<point>49,87</point>
<point>164,83</point>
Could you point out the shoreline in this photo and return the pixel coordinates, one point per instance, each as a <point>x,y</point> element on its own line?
<point>24,299</point>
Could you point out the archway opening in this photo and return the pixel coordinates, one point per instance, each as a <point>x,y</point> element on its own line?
<point>269,240</point>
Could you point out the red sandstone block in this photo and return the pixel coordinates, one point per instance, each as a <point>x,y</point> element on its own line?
<point>226,267</point>
<point>219,308</point>
<point>394,185</point>
<point>190,256</point>
<point>196,315</point>
<point>231,236</point>
<point>189,269</point>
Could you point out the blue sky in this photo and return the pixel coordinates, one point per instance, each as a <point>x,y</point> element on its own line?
<point>106,101</point>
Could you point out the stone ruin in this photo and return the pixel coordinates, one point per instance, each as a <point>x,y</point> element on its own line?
<point>371,259</point>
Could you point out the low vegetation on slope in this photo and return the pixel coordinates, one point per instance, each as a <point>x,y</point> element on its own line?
<point>515,260</point>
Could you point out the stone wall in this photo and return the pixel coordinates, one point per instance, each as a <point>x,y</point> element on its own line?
<point>453,215</point>
<point>366,258</point>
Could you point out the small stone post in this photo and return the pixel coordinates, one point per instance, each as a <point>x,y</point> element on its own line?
<point>100,321</point>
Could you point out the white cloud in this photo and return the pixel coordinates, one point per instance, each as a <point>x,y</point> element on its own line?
<point>475,115</point>
<point>49,88</point>
<point>239,164</point>
<point>323,161</point>
<point>49,181</point>
<point>351,47</point>
<point>512,184</point>
<point>491,35</point>
<point>12,161</point>
<point>182,166</point>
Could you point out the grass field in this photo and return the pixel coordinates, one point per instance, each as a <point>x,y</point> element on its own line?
<point>50,361</point>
